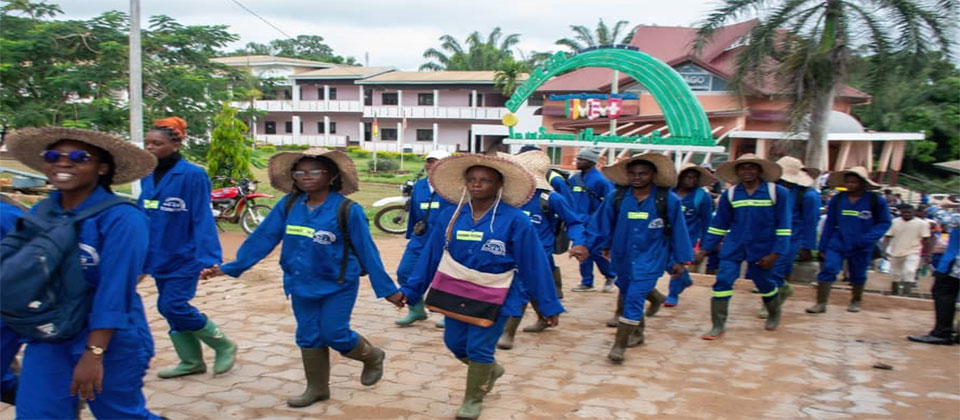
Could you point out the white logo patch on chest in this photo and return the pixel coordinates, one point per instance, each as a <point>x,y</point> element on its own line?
<point>173,205</point>
<point>536,219</point>
<point>656,224</point>
<point>324,237</point>
<point>89,257</point>
<point>866,215</point>
<point>495,247</point>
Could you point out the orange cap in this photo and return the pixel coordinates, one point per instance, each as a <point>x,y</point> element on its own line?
<point>176,124</point>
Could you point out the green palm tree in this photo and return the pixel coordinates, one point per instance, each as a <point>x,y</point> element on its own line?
<point>806,45</point>
<point>507,77</point>
<point>602,35</point>
<point>475,53</point>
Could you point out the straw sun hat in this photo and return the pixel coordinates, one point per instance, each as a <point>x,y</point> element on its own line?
<point>132,162</point>
<point>836,179</point>
<point>281,168</point>
<point>727,171</point>
<point>537,162</point>
<point>794,172</point>
<point>706,177</point>
<point>447,177</point>
<point>666,173</point>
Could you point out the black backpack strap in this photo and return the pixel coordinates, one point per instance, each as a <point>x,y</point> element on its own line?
<point>343,224</point>
<point>93,210</point>
<point>660,199</point>
<point>617,201</point>
<point>580,183</point>
<point>874,205</point>
<point>798,199</point>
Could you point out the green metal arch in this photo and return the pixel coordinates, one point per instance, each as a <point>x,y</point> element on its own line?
<point>684,115</point>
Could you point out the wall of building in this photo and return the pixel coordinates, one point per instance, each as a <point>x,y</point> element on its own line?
<point>311,90</point>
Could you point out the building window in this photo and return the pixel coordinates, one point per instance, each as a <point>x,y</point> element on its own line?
<point>333,126</point>
<point>388,134</point>
<point>367,131</point>
<point>270,127</point>
<point>287,94</point>
<point>425,99</point>
<point>555,154</point>
<point>424,135</point>
<point>367,97</point>
<point>389,98</point>
<point>535,100</point>
<point>288,127</point>
<point>333,93</point>
<point>320,93</point>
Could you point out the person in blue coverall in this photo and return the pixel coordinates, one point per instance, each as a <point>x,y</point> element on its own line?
<point>588,187</point>
<point>106,362</point>
<point>547,209</point>
<point>10,341</point>
<point>489,236</point>
<point>321,284</point>
<point>425,208</point>
<point>641,241</point>
<point>945,290</point>
<point>805,214</point>
<point>176,198</point>
<point>856,220</point>
<point>753,220</point>
<point>697,212</point>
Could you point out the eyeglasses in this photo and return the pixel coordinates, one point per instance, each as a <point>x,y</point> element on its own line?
<point>312,172</point>
<point>76,156</point>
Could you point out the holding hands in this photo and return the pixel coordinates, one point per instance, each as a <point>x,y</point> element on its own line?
<point>212,271</point>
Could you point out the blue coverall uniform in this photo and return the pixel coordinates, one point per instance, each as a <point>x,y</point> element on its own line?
<point>752,226</point>
<point>697,211</point>
<point>10,341</point>
<point>805,217</point>
<point>545,225</point>
<point>310,258</point>
<point>559,185</point>
<point>582,185</point>
<point>184,240</point>
<point>425,203</point>
<point>639,247</point>
<point>113,248</point>
<point>504,239</point>
<point>850,232</point>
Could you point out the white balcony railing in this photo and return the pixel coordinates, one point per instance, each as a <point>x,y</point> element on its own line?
<point>309,139</point>
<point>303,106</point>
<point>389,111</point>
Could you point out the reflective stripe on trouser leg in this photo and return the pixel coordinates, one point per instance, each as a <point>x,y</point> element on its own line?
<point>634,298</point>
<point>764,281</point>
<point>726,276</point>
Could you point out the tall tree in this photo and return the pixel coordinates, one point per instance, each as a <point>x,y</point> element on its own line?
<point>475,53</point>
<point>306,47</point>
<point>806,45</point>
<point>601,35</point>
<point>508,75</point>
<point>229,155</point>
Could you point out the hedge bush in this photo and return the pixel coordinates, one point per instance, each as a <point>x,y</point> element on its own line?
<point>384,165</point>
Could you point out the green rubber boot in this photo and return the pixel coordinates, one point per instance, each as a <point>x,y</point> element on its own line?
<point>636,338</point>
<point>823,295</point>
<point>613,322</point>
<point>225,348</point>
<point>372,359</point>
<point>856,298</point>
<point>509,332</point>
<point>621,341</point>
<point>479,382</point>
<point>191,356</point>
<point>719,308</point>
<point>775,310</point>
<point>498,371</point>
<point>656,300</point>
<point>316,368</point>
<point>417,313</point>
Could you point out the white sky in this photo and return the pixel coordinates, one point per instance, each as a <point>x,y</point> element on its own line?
<point>396,32</point>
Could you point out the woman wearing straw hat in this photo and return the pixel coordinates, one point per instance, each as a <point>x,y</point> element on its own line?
<point>805,214</point>
<point>184,241</point>
<point>753,219</point>
<point>479,266</point>
<point>642,226</point>
<point>856,220</point>
<point>326,244</point>
<point>697,211</point>
<point>106,362</point>
<point>548,210</point>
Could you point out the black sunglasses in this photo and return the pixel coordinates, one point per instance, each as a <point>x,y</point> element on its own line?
<point>76,156</point>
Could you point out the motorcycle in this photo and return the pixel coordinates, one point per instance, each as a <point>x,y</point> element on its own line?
<point>238,204</point>
<point>393,218</point>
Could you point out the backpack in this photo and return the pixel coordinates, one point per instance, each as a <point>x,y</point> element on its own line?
<point>579,183</point>
<point>557,172</point>
<point>343,219</point>
<point>45,295</point>
<point>561,242</point>
<point>771,187</point>
<point>659,198</point>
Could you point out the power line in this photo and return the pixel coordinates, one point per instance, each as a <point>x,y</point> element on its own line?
<point>237,2</point>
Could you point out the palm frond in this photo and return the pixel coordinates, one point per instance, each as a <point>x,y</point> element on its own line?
<point>572,44</point>
<point>729,11</point>
<point>451,44</point>
<point>584,35</point>
<point>603,33</point>
<point>628,38</point>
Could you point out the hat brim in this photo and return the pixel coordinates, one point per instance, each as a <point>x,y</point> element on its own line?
<point>800,178</point>
<point>706,177</point>
<point>666,172</point>
<point>281,165</point>
<point>131,162</point>
<point>535,161</point>
<point>836,179</point>
<point>447,178</point>
<point>727,171</point>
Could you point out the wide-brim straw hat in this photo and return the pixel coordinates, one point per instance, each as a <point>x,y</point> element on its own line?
<point>706,177</point>
<point>447,177</point>
<point>794,172</point>
<point>666,172</point>
<point>132,162</point>
<point>727,171</point>
<point>537,162</point>
<point>836,179</point>
<point>281,169</point>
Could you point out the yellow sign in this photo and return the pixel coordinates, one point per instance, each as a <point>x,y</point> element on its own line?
<point>469,235</point>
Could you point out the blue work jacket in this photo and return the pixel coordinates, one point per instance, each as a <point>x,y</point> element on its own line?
<point>559,185</point>
<point>805,216</point>
<point>697,211</point>
<point>424,202</point>
<point>582,185</point>
<point>634,234</point>
<point>504,239</point>
<point>558,210</point>
<point>852,227</point>
<point>182,230</point>
<point>950,255</point>
<point>113,247</point>
<point>312,249</point>
<point>9,214</point>
<point>754,226</point>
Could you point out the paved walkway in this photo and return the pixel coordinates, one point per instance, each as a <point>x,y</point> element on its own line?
<point>818,367</point>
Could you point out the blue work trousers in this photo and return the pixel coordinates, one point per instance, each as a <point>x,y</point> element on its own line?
<point>10,343</point>
<point>325,321</point>
<point>784,265</point>
<point>679,284</point>
<point>634,294</point>
<point>586,268</point>
<point>857,263</point>
<point>473,342</point>
<point>44,391</point>
<point>713,260</point>
<point>409,260</point>
<point>173,302</point>
<point>730,271</point>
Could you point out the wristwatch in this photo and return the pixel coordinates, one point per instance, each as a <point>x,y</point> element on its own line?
<point>96,350</point>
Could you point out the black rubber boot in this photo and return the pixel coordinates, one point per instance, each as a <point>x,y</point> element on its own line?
<point>719,308</point>
<point>372,359</point>
<point>823,295</point>
<point>857,296</point>
<point>316,367</point>
<point>620,341</point>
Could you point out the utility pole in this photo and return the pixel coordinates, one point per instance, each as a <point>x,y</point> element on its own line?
<point>136,83</point>
<point>614,89</point>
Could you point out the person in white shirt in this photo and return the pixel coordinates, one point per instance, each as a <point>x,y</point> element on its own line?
<point>905,242</point>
